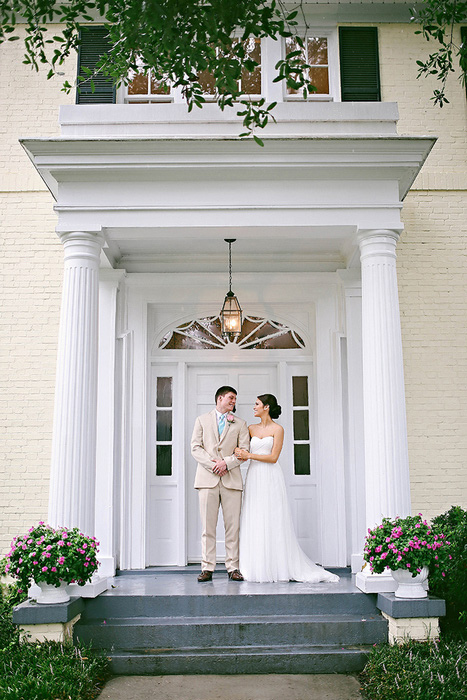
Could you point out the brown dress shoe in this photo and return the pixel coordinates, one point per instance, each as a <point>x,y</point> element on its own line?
<point>205,576</point>
<point>235,575</point>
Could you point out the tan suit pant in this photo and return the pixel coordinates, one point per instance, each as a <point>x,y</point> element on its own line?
<point>209,502</point>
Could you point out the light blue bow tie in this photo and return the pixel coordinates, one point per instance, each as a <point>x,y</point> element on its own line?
<point>221,424</point>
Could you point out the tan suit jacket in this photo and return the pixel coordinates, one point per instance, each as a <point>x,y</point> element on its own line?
<point>206,445</point>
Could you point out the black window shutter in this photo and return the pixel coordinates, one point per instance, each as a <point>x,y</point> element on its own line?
<point>358,49</point>
<point>94,43</point>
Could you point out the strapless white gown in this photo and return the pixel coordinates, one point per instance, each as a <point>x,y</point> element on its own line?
<point>269,550</point>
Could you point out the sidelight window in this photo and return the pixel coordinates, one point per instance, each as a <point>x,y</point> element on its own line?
<point>164,423</point>
<point>301,425</point>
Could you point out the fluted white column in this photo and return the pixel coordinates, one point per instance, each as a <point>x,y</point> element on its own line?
<point>72,478</point>
<point>386,452</point>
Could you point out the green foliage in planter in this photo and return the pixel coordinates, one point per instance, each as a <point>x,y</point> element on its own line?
<point>417,671</point>
<point>50,670</point>
<point>45,554</point>
<point>453,586</point>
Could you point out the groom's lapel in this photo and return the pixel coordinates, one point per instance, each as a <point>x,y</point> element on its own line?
<point>214,425</point>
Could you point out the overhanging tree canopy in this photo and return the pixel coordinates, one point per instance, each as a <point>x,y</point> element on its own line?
<point>179,40</point>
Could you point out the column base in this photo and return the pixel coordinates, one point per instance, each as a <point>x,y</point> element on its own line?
<point>92,589</point>
<point>357,563</point>
<point>107,566</point>
<point>375,583</point>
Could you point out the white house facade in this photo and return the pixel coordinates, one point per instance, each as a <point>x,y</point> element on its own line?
<point>146,196</point>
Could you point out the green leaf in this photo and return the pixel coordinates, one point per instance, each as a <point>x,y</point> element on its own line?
<point>258,140</point>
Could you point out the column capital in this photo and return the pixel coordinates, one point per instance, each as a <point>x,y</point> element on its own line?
<point>82,244</point>
<point>377,242</point>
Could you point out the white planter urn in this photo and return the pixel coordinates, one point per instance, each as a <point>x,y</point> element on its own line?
<point>409,586</point>
<point>50,594</point>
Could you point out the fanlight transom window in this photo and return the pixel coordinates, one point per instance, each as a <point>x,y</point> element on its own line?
<point>257,334</point>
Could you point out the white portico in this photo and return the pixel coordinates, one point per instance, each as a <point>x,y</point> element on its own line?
<point>145,200</point>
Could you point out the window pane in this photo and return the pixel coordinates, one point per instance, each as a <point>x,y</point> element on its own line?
<point>159,88</point>
<point>291,45</point>
<point>164,426</point>
<point>301,429</point>
<point>301,459</point>
<point>164,391</point>
<point>300,391</point>
<point>317,51</point>
<point>139,85</point>
<point>251,82</point>
<point>316,55</point>
<point>164,460</point>
<point>207,82</point>
<point>320,79</point>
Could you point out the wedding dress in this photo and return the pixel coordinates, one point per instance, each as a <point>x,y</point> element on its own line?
<point>269,550</point>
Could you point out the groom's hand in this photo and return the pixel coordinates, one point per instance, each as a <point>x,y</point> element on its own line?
<point>219,467</point>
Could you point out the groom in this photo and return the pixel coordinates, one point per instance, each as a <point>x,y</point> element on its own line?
<point>218,479</point>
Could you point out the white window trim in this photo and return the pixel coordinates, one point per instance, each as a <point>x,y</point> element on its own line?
<point>271,52</point>
<point>176,96</point>
<point>331,34</point>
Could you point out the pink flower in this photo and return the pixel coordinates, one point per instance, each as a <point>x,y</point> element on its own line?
<point>35,562</point>
<point>54,568</point>
<point>230,418</point>
<point>61,543</point>
<point>408,566</point>
<point>44,568</point>
<point>61,560</point>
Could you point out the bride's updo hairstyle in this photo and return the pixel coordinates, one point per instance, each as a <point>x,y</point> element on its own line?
<point>270,400</point>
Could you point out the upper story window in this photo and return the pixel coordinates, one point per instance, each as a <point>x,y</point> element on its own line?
<point>144,89</point>
<point>344,65</point>
<point>250,83</point>
<point>320,52</point>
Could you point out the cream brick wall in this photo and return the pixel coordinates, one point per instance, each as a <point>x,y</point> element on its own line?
<point>31,275</point>
<point>432,269</point>
<point>31,290</point>
<point>34,114</point>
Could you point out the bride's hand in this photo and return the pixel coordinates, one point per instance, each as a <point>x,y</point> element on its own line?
<point>241,454</point>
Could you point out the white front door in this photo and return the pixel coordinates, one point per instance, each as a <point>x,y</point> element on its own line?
<point>250,380</point>
<point>179,393</point>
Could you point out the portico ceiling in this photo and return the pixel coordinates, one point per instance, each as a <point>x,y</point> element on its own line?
<point>167,204</point>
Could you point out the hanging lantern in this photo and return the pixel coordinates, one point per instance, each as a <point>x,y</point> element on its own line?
<point>231,314</point>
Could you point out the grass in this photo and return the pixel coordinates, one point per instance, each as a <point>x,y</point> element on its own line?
<point>46,671</point>
<point>434,670</point>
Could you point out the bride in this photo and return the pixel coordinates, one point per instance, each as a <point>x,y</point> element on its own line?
<point>269,550</point>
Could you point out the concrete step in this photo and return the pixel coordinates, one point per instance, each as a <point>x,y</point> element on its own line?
<point>177,632</point>
<point>109,605</point>
<point>240,660</point>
